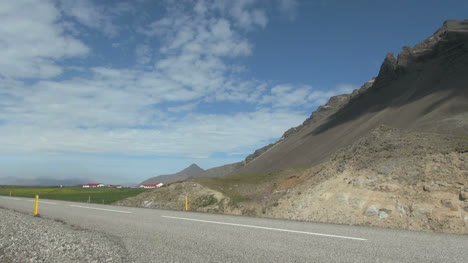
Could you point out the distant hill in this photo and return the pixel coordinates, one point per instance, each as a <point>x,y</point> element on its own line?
<point>220,170</point>
<point>43,181</point>
<point>188,172</point>
<point>194,171</point>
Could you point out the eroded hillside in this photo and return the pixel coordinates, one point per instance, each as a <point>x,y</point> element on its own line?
<point>390,178</point>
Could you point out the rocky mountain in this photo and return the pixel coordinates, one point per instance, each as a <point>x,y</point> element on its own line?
<point>394,153</point>
<point>423,89</point>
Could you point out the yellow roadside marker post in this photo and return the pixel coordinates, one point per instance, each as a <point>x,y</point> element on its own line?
<point>36,206</point>
<point>186,203</point>
<point>10,193</point>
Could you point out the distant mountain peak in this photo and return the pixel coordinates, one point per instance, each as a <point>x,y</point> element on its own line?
<point>193,169</point>
<point>186,173</point>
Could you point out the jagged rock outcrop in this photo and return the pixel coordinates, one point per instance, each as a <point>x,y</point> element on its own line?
<point>388,71</point>
<point>452,33</point>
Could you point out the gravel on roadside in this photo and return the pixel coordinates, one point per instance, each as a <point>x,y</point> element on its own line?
<point>24,238</point>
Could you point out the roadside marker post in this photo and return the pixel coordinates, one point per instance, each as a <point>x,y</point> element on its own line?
<point>186,203</point>
<point>36,206</point>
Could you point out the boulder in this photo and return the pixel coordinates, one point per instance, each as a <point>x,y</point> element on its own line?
<point>403,209</point>
<point>372,211</point>
<point>383,214</point>
<point>464,195</point>
<point>449,204</point>
<point>388,187</point>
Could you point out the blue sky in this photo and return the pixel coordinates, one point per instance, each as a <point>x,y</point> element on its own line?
<point>118,91</point>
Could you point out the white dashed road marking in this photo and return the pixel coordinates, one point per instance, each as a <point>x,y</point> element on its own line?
<point>102,209</point>
<point>43,202</point>
<point>266,228</point>
<point>11,198</point>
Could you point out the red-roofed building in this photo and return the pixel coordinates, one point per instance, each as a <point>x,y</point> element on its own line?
<point>93,185</point>
<point>155,185</point>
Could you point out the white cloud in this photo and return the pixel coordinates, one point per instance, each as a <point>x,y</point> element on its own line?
<point>182,108</point>
<point>244,13</point>
<point>288,8</point>
<point>292,96</point>
<point>185,62</point>
<point>346,88</point>
<point>32,40</point>
<point>196,135</point>
<point>143,54</point>
<point>87,13</point>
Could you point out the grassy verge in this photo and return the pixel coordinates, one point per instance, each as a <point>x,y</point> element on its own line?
<point>247,187</point>
<point>102,195</point>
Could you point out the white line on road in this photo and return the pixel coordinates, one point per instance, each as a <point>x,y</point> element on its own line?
<point>42,202</point>
<point>103,209</point>
<point>11,198</point>
<point>266,228</point>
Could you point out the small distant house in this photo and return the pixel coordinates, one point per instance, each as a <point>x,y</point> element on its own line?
<point>155,185</point>
<point>93,185</point>
<point>118,186</point>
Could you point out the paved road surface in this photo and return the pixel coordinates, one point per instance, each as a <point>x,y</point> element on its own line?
<point>152,235</point>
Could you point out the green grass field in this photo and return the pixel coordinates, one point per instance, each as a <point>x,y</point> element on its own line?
<point>102,195</point>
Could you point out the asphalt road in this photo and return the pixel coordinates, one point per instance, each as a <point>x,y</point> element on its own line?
<point>152,235</point>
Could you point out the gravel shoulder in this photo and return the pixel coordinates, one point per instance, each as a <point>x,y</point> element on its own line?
<point>24,238</point>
